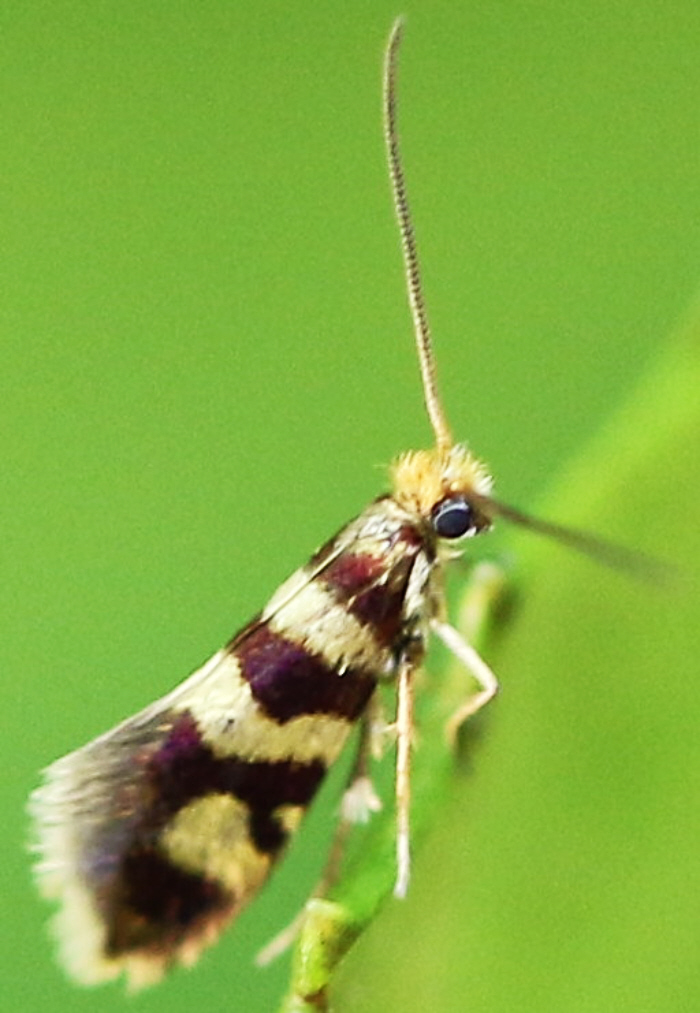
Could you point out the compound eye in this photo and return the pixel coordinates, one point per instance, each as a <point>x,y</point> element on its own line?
<point>453,518</point>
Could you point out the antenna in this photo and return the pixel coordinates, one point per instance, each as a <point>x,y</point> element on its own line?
<point>416,299</point>
<point>411,471</point>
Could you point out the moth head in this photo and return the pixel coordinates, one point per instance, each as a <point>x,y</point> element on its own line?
<point>447,489</point>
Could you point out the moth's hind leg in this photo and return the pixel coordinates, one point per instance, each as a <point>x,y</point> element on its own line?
<point>359,799</point>
<point>358,802</point>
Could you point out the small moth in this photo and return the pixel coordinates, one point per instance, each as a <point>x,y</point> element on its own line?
<point>155,835</point>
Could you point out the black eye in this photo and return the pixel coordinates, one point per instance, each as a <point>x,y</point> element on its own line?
<point>453,518</point>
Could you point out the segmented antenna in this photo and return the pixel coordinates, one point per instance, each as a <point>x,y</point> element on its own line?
<point>416,299</point>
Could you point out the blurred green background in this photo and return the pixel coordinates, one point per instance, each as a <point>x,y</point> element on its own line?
<point>205,362</point>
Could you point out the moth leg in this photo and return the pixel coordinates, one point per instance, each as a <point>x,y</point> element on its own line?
<point>404,736</point>
<point>358,801</point>
<point>488,683</point>
<point>359,798</point>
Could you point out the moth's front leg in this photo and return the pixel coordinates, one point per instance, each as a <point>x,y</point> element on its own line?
<point>486,588</point>
<point>472,660</point>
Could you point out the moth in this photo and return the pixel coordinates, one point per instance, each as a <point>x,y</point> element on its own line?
<point>155,835</point>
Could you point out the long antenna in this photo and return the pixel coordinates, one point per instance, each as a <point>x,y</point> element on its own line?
<point>416,299</point>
